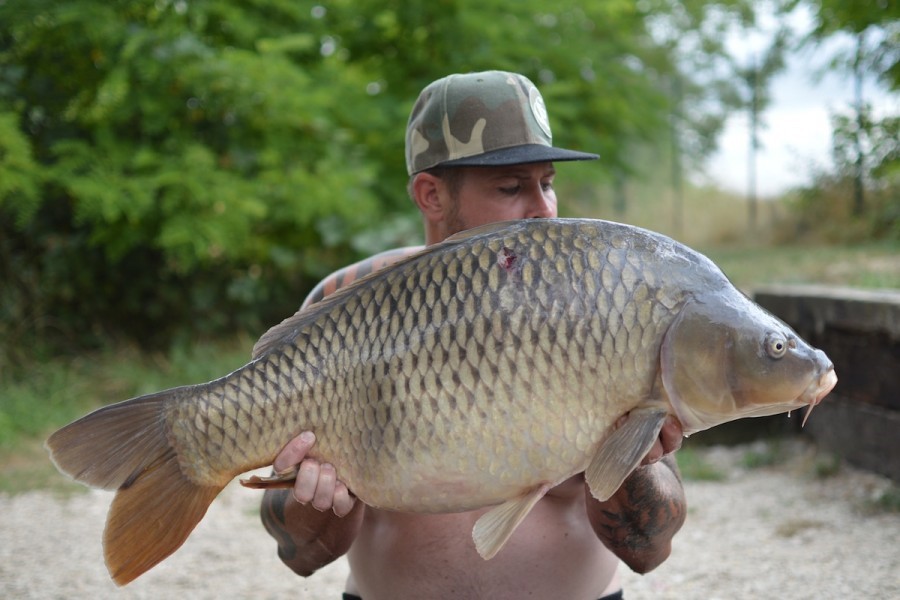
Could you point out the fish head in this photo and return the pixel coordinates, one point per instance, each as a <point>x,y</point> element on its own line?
<point>724,358</point>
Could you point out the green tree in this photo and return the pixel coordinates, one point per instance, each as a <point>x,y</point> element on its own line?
<point>190,156</point>
<point>193,166</point>
<point>859,146</point>
<point>877,21</point>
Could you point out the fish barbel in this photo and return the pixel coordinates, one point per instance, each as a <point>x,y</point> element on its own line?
<point>480,372</point>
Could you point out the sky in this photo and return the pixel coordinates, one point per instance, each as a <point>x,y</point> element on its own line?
<point>796,138</point>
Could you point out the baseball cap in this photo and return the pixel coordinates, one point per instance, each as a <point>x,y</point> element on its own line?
<point>482,119</point>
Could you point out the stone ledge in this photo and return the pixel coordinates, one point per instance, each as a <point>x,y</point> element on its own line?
<point>866,436</point>
<point>813,307</point>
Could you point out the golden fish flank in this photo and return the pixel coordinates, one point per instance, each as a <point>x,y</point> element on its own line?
<point>476,373</point>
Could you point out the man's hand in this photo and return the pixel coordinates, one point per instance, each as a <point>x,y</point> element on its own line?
<point>669,440</point>
<point>316,483</point>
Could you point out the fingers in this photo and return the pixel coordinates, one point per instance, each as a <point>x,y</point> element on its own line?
<point>307,481</point>
<point>655,453</point>
<point>294,452</point>
<point>671,435</point>
<point>668,441</point>
<point>344,501</point>
<point>323,493</point>
<point>316,483</point>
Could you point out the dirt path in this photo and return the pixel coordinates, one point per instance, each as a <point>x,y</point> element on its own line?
<point>768,532</point>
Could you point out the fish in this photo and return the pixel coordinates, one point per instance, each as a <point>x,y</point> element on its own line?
<point>479,372</point>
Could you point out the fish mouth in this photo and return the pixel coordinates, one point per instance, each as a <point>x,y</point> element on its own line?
<point>818,389</point>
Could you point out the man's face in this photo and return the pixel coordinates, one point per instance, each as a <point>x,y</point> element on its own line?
<point>491,194</point>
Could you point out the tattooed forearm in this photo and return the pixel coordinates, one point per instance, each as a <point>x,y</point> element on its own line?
<point>644,514</point>
<point>272,514</point>
<point>307,538</point>
<point>639,521</point>
<point>356,271</point>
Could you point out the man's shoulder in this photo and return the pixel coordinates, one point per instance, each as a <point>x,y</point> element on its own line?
<point>357,270</point>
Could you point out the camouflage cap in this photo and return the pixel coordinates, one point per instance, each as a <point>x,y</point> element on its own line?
<point>481,119</point>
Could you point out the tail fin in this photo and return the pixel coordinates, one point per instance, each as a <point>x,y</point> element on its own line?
<point>125,447</point>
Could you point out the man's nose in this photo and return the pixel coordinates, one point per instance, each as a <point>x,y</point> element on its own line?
<point>541,204</point>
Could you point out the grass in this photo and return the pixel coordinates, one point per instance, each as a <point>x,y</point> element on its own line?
<point>870,265</point>
<point>27,467</point>
<point>694,467</point>
<point>52,393</point>
<point>716,224</point>
<point>884,501</point>
<point>764,455</point>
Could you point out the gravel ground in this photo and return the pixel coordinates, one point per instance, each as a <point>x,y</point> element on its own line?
<point>766,532</point>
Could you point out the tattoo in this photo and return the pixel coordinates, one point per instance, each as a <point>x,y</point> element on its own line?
<point>649,511</point>
<point>274,520</point>
<point>348,275</point>
<point>306,538</point>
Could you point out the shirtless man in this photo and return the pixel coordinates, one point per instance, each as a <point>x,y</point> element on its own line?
<point>478,150</point>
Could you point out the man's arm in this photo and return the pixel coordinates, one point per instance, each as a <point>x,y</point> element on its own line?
<point>639,521</point>
<point>307,538</point>
<point>317,520</point>
<point>349,274</point>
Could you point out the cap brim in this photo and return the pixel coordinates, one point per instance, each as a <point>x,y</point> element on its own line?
<point>518,155</point>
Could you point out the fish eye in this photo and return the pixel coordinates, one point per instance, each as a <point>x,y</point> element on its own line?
<point>776,345</point>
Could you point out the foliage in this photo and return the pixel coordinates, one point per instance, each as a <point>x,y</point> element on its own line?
<point>824,212</point>
<point>880,141</point>
<point>170,166</point>
<point>174,176</point>
<point>877,22</point>
<point>825,207</point>
<point>702,86</point>
<point>865,147</point>
<point>883,501</point>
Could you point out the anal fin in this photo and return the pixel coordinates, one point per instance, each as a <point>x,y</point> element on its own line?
<point>622,451</point>
<point>493,528</point>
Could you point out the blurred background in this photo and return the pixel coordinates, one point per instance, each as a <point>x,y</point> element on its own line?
<point>176,175</point>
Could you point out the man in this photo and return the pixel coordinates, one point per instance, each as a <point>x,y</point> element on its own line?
<point>478,150</point>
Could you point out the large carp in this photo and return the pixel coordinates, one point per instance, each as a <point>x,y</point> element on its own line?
<point>481,371</point>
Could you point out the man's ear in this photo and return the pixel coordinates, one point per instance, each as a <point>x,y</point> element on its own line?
<point>428,194</point>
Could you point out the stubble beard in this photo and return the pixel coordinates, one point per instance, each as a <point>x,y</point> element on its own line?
<point>455,223</point>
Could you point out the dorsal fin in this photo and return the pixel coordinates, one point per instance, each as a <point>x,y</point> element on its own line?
<point>288,328</point>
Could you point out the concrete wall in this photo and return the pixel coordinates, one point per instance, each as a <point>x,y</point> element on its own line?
<point>860,332</point>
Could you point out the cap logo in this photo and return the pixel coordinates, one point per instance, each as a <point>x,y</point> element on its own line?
<point>539,110</point>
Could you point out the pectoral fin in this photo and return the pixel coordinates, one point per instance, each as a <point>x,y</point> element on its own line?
<point>495,526</point>
<point>623,450</point>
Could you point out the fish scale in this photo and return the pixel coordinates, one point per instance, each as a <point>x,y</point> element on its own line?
<point>419,372</point>
<point>478,372</point>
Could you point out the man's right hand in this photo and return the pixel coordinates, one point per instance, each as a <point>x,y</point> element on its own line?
<point>316,484</point>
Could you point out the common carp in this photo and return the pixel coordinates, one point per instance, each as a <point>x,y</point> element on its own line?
<point>480,372</point>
